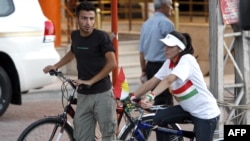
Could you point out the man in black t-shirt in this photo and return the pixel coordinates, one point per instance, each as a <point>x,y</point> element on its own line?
<point>95,59</point>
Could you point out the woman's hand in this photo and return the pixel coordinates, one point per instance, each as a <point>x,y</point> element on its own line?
<point>145,103</point>
<point>132,97</point>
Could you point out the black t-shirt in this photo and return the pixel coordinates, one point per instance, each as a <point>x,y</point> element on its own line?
<point>90,58</point>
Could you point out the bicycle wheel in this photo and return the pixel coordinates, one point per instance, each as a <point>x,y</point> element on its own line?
<point>43,129</point>
<point>126,133</point>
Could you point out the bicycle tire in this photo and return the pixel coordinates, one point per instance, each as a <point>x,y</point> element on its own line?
<point>42,129</point>
<point>126,133</point>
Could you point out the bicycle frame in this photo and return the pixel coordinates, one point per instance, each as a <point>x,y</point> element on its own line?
<point>139,125</point>
<point>142,125</point>
<point>120,110</point>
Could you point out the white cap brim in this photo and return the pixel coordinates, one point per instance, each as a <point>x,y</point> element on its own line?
<point>171,41</point>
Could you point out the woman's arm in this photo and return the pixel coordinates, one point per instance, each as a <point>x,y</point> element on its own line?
<point>147,86</point>
<point>164,84</point>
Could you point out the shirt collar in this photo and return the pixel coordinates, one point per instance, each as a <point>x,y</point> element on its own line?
<point>172,64</point>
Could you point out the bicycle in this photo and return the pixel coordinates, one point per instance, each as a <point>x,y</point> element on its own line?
<point>141,128</point>
<point>59,128</point>
<point>54,127</point>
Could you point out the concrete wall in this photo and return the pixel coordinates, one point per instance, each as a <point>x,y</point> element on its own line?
<point>200,39</point>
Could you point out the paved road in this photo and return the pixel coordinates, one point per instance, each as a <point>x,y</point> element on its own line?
<point>36,104</point>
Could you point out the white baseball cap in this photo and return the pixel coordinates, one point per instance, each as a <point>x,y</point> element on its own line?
<point>170,40</point>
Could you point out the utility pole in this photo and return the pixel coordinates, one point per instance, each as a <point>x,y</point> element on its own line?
<point>114,28</point>
<point>232,98</point>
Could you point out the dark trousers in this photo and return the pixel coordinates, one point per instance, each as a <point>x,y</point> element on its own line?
<point>203,128</point>
<point>165,97</point>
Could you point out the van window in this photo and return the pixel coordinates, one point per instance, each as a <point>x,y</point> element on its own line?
<point>6,7</point>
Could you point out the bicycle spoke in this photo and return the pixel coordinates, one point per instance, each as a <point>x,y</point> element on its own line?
<point>47,129</point>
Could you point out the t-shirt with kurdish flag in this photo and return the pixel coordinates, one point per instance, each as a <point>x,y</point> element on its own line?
<point>190,88</point>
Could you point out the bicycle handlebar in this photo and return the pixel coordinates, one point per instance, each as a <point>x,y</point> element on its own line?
<point>137,106</point>
<point>60,74</point>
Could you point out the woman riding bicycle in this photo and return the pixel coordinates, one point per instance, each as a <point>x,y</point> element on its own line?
<point>181,73</point>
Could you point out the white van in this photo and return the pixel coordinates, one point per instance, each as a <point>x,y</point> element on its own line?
<point>26,47</point>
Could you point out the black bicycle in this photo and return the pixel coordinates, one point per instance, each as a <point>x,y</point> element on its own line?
<point>58,127</point>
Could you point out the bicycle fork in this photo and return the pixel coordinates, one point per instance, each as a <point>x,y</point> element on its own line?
<point>54,132</point>
<point>61,125</point>
<point>138,134</point>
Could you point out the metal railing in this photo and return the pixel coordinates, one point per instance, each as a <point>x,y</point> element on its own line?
<point>129,11</point>
<point>191,5</point>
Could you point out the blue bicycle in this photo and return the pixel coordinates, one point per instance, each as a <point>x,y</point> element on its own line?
<point>141,128</point>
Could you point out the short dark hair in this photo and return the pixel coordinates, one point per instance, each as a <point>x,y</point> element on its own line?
<point>85,5</point>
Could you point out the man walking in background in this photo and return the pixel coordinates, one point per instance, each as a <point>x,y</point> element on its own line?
<point>152,54</point>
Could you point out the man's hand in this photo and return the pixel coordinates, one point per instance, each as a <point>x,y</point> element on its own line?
<point>143,77</point>
<point>48,68</point>
<point>82,82</point>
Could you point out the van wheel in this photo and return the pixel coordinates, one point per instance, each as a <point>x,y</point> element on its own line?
<point>5,91</point>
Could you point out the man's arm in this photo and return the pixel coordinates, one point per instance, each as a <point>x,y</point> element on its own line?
<point>143,64</point>
<point>142,61</point>
<point>66,59</point>
<point>110,65</point>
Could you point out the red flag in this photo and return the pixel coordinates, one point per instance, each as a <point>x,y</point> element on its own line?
<point>121,89</point>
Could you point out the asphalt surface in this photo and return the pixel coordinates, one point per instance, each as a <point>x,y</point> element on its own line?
<point>35,105</point>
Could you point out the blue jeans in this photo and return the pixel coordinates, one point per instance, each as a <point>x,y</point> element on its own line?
<point>203,128</point>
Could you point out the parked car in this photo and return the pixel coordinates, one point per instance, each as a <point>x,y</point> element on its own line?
<point>26,47</point>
